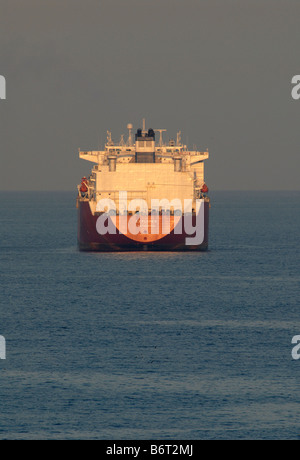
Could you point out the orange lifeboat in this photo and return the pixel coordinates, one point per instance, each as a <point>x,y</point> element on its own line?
<point>204,188</point>
<point>83,186</point>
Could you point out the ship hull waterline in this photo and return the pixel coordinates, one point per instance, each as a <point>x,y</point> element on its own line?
<point>90,240</point>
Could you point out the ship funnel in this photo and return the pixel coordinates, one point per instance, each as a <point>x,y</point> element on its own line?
<point>145,146</point>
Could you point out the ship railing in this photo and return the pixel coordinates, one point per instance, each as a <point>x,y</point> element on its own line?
<point>115,195</point>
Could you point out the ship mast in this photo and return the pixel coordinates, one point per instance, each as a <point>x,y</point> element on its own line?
<point>160,136</point>
<point>129,127</point>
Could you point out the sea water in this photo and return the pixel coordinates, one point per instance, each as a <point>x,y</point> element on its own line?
<point>169,346</point>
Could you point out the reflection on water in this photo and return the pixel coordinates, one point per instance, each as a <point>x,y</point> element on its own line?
<point>145,345</point>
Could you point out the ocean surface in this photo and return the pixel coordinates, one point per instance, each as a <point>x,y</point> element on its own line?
<point>144,346</point>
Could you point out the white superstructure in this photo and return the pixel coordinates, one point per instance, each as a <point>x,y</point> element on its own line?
<point>145,169</point>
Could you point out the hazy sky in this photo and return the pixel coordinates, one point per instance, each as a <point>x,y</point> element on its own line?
<point>218,70</point>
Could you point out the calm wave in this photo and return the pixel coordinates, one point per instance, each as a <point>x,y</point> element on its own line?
<point>150,346</point>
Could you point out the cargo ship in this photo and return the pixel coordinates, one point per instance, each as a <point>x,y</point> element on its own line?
<point>143,195</point>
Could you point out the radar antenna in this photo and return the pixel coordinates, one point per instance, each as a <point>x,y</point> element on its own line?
<point>160,136</point>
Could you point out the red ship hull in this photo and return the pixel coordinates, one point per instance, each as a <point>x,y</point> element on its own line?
<point>90,240</point>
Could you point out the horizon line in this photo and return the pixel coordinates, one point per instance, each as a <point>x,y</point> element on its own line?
<point>210,191</point>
